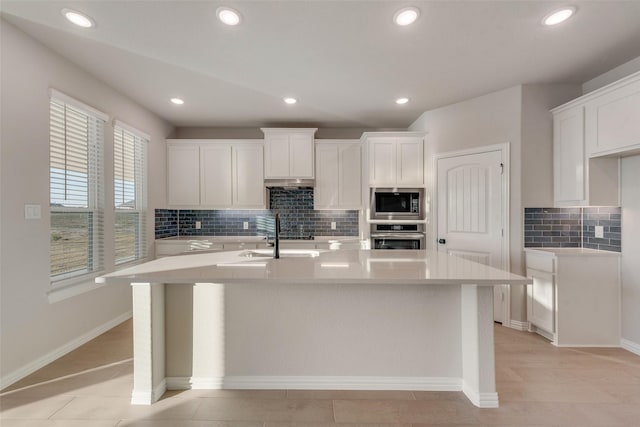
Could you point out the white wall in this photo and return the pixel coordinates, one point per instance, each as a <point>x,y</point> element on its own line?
<point>31,327</point>
<point>611,76</point>
<point>520,116</point>
<point>630,268</point>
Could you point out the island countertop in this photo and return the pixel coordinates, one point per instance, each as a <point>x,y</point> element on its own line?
<point>347,266</point>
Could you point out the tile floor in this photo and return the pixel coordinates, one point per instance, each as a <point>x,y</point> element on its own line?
<point>539,385</point>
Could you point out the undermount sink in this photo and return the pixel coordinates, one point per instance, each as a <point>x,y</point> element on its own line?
<point>284,253</point>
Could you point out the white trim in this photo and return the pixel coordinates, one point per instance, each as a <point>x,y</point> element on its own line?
<point>518,325</point>
<point>63,290</point>
<point>78,104</point>
<point>315,383</point>
<point>504,148</point>
<point>148,398</point>
<point>630,346</point>
<point>132,129</point>
<point>33,366</point>
<point>481,400</point>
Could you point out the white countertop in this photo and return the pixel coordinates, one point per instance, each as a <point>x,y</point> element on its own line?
<point>343,266</point>
<point>571,252</point>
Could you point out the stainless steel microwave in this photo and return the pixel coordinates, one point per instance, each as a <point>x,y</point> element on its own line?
<point>397,203</point>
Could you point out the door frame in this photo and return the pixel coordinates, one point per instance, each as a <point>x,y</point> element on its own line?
<point>504,149</point>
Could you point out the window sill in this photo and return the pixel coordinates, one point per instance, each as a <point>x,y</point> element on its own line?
<point>71,288</point>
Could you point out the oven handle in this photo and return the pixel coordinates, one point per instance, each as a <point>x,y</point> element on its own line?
<point>398,235</point>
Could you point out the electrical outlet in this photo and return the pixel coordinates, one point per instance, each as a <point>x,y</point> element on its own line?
<point>599,231</point>
<point>198,225</point>
<point>245,225</point>
<point>333,225</point>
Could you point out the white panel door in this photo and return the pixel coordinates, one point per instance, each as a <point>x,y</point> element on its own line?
<point>248,176</point>
<point>183,175</point>
<point>215,176</point>
<point>470,212</point>
<point>350,173</point>
<point>327,176</point>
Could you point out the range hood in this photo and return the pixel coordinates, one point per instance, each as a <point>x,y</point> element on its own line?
<point>289,182</point>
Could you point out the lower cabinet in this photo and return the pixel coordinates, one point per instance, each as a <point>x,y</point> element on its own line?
<point>575,296</point>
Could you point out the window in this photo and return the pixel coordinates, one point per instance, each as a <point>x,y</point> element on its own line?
<point>130,195</point>
<point>75,188</point>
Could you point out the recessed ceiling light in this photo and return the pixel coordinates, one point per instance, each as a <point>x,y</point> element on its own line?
<point>401,101</point>
<point>290,101</point>
<point>228,16</point>
<point>78,18</point>
<point>559,16</point>
<point>406,16</point>
<point>177,101</point>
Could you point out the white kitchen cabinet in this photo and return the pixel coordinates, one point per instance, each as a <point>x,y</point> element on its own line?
<point>577,179</point>
<point>575,296</point>
<point>613,118</point>
<point>395,161</point>
<point>183,174</point>
<point>288,153</point>
<point>338,175</point>
<point>215,174</point>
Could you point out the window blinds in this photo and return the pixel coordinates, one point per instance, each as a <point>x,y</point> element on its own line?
<point>76,189</point>
<point>130,195</point>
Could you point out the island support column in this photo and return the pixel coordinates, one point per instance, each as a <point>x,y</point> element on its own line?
<point>149,382</point>
<point>478,358</point>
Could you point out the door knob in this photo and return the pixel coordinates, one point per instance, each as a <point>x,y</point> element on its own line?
<point>442,241</point>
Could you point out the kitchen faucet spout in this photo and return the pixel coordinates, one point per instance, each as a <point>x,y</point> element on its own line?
<point>276,240</point>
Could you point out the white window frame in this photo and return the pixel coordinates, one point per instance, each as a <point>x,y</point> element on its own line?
<point>95,193</point>
<point>141,141</point>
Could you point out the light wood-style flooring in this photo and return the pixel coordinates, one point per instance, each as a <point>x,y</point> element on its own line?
<point>538,384</point>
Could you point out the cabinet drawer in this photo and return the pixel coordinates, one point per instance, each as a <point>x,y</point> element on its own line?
<point>541,262</point>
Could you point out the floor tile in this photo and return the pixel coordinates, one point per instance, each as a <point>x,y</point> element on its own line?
<point>58,423</point>
<point>264,409</point>
<point>32,407</point>
<point>188,423</point>
<point>387,411</point>
<point>107,408</point>
<point>350,394</point>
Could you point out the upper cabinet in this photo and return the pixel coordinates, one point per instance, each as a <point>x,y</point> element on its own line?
<point>589,133</point>
<point>215,174</point>
<point>395,161</point>
<point>613,119</point>
<point>338,175</point>
<point>288,153</point>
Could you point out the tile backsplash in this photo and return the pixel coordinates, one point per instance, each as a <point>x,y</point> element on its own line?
<point>572,228</point>
<point>298,219</point>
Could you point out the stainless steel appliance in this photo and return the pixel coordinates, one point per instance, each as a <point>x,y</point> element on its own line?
<point>397,236</point>
<point>397,203</point>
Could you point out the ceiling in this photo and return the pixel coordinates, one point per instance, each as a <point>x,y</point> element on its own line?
<point>345,61</point>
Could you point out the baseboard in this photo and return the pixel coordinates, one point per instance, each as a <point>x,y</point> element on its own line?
<point>316,383</point>
<point>146,397</point>
<point>630,346</point>
<point>518,325</point>
<point>481,400</point>
<point>41,362</point>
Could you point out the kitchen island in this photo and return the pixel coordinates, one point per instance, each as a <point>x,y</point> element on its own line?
<point>350,319</point>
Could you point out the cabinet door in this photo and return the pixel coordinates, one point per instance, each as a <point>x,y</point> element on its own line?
<point>613,120</point>
<point>301,155</point>
<point>327,177</point>
<point>350,173</point>
<point>568,157</point>
<point>183,175</point>
<point>541,304</point>
<point>410,170</point>
<point>276,156</point>
<point>248,186</point>
<point>382,162</point>
<point>215,176</point>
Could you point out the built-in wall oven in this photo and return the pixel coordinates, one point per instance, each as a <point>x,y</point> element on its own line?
<point>397,203</point>
<point>397,236</point>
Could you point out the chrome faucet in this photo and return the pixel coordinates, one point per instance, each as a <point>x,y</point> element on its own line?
<point>276,240</point>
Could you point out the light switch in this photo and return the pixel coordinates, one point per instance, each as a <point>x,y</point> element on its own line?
<point>333,225</point>
<point>32,212</point>
<point>198,225</point>
<point>599,231</point>
<point>245,225</point>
